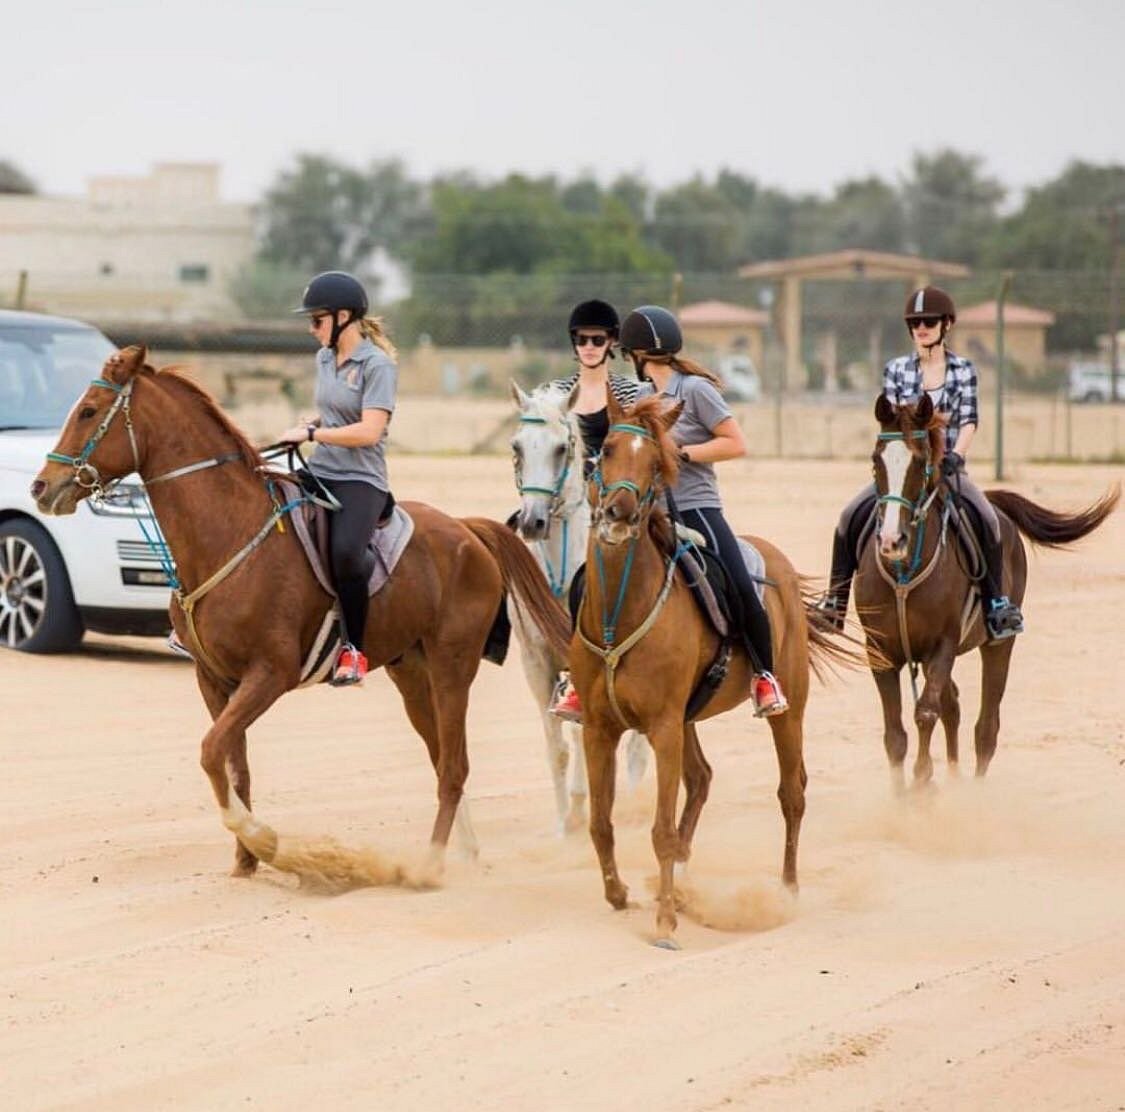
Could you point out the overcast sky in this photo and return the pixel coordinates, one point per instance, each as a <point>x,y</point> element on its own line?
<point>801,95</point>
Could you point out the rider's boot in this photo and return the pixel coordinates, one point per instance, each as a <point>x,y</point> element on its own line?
<point>565,703</point>
<point>351,667</point>
<point>769,699</point>
<point>1002,617</point>
<point>832,606</point>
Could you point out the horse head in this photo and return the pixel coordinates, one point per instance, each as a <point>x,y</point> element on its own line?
<point>546,458</point>
<point>905,460</point>
<point>98,443</point>
<point>638,459</point>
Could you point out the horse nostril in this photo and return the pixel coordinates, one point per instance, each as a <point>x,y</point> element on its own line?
<point>37,488</point>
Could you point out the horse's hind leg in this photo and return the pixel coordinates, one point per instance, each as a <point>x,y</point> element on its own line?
<point>697,786</point>
<point>894,734</point>
<point>995,659</point>
<point>435,717</point>
<point>788,742</point>
<point>951,723</point>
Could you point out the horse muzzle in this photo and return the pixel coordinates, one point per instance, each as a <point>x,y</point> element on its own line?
<point>533,522</point>
<point>893,548</point>
<point>57,498</point>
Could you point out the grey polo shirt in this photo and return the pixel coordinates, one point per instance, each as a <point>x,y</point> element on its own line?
<point>367,379</point>
<point>704,408</point>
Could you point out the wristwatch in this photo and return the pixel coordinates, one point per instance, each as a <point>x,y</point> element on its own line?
<point>682,456</point>
<point>311,429</point>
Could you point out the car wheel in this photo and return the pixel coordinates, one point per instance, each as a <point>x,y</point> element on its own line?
<point>37,611</point>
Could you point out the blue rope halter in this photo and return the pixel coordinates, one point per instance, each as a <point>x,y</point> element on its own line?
<point>917,508</point>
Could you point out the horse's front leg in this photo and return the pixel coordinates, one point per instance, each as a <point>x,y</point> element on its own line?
<point>938,670</point>
<point>995,659</point>
<point>894,733</point>
<point>599,741</point>
<point>223,757</point>
<point>668,744</point>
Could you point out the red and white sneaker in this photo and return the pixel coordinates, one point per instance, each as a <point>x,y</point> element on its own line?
<point>566,704</point>
<point>350,668</point>
<point>768,697</point>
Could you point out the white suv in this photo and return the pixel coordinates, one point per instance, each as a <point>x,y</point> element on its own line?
<point>1092,382</point>
<point>93,569</point>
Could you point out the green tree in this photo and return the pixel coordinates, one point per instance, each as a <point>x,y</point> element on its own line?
<point>951,206</point>
<point>862,213</point>
<point>13,179</point>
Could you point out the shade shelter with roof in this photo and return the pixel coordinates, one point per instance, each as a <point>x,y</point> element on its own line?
<point>717,328</point>
<point>850,264</point>
<point>1025,335</point>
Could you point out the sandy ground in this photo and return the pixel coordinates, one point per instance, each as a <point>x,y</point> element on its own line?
<point>964,947</point>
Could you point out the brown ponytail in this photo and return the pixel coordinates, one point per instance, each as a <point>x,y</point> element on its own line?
<point>372,329</point>
<point>685,366</point>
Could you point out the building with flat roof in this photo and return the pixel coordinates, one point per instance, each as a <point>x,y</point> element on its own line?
<point>162,246</point>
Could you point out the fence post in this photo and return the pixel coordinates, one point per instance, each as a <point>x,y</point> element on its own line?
<point>1000,296</point>
<point>21,290</point>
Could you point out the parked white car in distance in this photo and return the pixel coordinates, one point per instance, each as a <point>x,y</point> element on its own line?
<point>741,381</point>
<point>93,569</point>
<point>1092,382</point>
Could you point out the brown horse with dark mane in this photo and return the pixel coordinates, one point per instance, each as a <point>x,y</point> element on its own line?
<point>916,591</point>
<point>643,647</point>
<point>428,625</point>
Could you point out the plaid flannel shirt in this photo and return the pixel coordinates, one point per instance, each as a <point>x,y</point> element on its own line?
<point>902,383</point>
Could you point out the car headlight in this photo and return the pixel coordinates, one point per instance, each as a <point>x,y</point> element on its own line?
<point>122,500</point>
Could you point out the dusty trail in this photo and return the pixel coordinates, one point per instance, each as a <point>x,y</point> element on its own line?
<point>962,948</point>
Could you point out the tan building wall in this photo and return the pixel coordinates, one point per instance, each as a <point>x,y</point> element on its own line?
<point>163,247</point>
<point>709,341</point>
<point>1024,345</point>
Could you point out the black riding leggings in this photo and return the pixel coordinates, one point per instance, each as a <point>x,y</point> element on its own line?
<point>350,529</point>
<point>721,539</point>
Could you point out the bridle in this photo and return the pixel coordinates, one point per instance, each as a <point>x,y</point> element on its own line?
<point>86,475</point>
<point>558,507</point>
<point>917,508</point>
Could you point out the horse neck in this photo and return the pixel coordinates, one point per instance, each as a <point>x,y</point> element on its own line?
<point>205,516</point>
<point>647,569</point>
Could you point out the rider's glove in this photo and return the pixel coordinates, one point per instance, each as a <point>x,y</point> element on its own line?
<point>951,463</point>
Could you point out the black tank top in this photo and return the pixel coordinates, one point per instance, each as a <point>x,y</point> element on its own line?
<point>595,428</point>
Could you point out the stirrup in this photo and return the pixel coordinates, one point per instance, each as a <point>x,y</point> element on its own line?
<point>772,700</point>
<point>827,608</point>
<point>1004,619</point>
<point>178,647</point>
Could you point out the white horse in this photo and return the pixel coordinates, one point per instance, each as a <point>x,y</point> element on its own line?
<point>554,519</point>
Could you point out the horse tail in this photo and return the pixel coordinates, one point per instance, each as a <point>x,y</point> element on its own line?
<point>830,648</point>
<point>1050,528</point>
<point>524,579</point>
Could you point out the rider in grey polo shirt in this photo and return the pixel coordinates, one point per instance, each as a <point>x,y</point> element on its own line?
<point>356,383</point>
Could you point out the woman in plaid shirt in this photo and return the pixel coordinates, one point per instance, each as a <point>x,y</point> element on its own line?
<point>951,383</point>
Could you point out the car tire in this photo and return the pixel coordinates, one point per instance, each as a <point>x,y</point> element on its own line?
<point>37,611</point>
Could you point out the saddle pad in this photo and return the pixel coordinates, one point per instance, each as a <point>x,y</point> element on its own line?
<point>387,544</point>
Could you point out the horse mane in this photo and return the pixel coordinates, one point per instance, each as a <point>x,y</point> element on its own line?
<point>203,398</point>
<point>649,413</point>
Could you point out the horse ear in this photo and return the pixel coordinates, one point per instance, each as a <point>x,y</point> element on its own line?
<point>671,415</point>
<point>518,396</point>
<point>614,409</point>
<point>121,367</point>
<point>884,410</point>
<point>924,412</point>
<point>572,397</point>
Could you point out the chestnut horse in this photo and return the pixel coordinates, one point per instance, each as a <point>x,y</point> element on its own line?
<point>642,647</point>
<point>253,628</point>
<point>916,585</point>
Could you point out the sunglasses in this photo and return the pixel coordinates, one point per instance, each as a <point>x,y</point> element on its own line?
<point>597,341</point>
<point>925,322</point>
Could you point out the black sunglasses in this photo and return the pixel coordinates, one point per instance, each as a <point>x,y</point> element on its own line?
<point>316,318</point>
<point>597,341</point>
<point>925,322</point>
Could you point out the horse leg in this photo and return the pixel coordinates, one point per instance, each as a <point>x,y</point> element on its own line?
<point>636,758</point>
<point>928,710</point>
<point>427,711</point>
<point>223,750</point>
<point>951,723</point>
<point>697,786</point>
<point>788,742</point>
<point>894,734</point>
<point>668,745</point>
<point>245,863</point>
<point>995,659</point>
<point>577,783</point>
<point>600,746</point>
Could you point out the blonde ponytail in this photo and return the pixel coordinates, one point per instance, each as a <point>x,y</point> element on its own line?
<point>372,329</point>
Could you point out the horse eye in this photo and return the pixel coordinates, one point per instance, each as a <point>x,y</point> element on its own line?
<point>86,412</point>
<point>607,451</point>
<point>560,451</point>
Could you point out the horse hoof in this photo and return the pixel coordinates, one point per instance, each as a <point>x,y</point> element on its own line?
<point>666,944</point>
<point>243,870</point>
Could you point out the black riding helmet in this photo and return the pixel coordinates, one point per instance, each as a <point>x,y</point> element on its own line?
<point>331,292</point>
<point>651,329</point>
<point>593,314</point>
